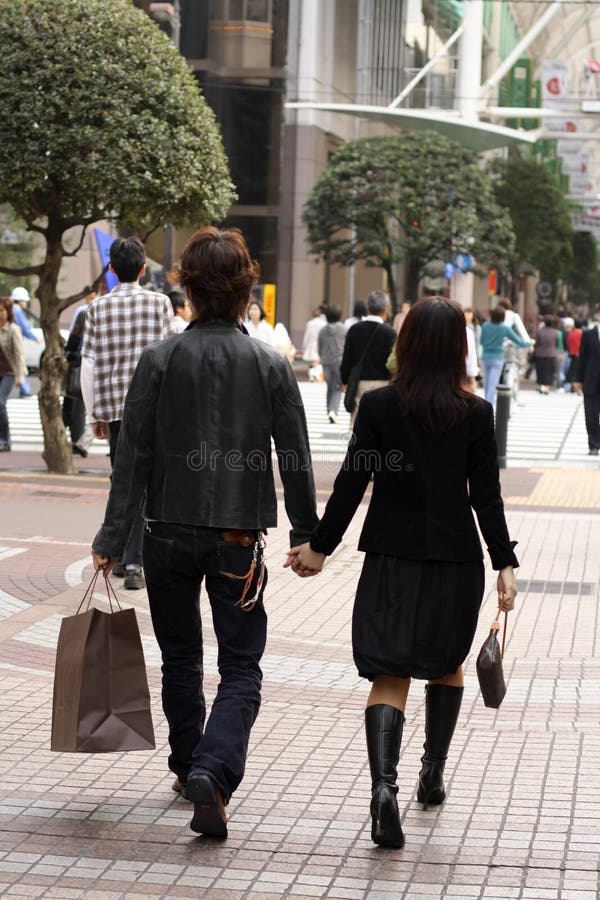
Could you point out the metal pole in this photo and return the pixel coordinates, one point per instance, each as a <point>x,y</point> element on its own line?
<point>502,416</point>
<point>468,75</point>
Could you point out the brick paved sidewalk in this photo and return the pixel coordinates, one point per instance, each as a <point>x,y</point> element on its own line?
<point>521,816</point>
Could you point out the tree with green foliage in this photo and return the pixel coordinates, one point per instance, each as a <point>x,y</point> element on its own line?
<point>583,279</point>
<point>540,215</point>
<point>101,119</point>
<point>417,198</point>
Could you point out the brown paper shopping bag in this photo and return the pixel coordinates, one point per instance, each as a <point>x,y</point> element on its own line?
<point>101,699</point>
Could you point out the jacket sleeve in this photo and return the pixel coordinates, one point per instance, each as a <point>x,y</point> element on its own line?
<point>484,488</point>
<point>19,351</point>
<point>581,359</point>
<point>350,484</point>
<point>133,461</point>
<point>346,363</point>
<point>290,435</point>
<point>512,335</point>
<point>23,322</point>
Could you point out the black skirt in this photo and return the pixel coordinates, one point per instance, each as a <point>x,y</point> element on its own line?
<point>415,618</point>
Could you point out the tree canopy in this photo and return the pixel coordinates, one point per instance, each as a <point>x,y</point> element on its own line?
<point>540,216</point>
<point>101,119</point>
<point>417,197</point>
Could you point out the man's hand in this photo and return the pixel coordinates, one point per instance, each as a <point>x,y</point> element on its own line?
<point>507,589</point>
<point>304,561</point>
<point>578,387</point>
<point>100,429</point>
<point>105,563</point>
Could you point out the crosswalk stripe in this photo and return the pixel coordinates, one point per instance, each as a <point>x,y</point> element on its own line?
<point>541,428</point>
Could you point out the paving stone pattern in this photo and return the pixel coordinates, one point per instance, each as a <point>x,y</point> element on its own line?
<point>523,802</point>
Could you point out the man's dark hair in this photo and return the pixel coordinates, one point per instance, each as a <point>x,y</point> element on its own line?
<point>497,314</point>
<point>127,257</point>
<point>333,313</point>
<point>377,303</point>
<point>360,309</point>
<point>177,299</point>
<point>505,303</point>
<point>218,272</point>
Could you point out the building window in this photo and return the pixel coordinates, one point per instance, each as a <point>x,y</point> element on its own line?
<point>242,10</point>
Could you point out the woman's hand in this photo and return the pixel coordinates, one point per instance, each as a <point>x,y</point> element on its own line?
<point>304,561</point>
<point>507,589</point>
<point>103,562</point>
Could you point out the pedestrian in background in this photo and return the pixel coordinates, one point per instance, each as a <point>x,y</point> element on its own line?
<point>370,341</point>
<point>573,346</point>
<point>181,310</point>
<point>359,311</point>
<point>493,335</point>
<point>587,380</point>
<point>12,364</point>
<point>400,316</point>
<point>118,327</point>
<point>548,347</point>
<point>73,407</point>
<point>310,348</point>
<point>256,323</point>
<point>330,345</point>
<point>429,445</point>
<point>194,399</point>
<point>20,297</point>
<point>89,298</point>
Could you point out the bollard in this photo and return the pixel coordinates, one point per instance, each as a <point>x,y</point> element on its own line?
<point>503,393</point>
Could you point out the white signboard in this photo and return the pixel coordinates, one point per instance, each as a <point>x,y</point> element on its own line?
<point>580,185</point>
<point>576,164</point>
<point>555,81</point>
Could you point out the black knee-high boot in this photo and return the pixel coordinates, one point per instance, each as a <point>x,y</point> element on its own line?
<point>442,706</point>
<point>383,726</point>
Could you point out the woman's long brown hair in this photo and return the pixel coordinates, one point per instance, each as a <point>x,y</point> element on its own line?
<point>431,351</point>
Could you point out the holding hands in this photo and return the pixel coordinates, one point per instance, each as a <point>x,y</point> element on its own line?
<point>304,561</point>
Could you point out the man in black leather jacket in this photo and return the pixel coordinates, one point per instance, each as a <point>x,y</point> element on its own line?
<point>195,441</point>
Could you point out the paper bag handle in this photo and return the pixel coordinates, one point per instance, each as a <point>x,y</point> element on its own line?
<point>89,593</point>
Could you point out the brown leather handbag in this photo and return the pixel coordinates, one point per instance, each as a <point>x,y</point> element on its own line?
<point>489,666</point>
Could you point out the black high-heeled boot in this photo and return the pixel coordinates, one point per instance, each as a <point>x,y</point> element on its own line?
<point>383,726</point>
<point>442,706</point>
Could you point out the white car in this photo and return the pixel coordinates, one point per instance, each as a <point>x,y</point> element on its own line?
<point>34,350</point>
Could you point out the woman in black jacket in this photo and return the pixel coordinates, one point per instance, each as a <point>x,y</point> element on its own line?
<point>429,445</point>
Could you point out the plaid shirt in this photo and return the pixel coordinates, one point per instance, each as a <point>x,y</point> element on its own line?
<point>118,327</point>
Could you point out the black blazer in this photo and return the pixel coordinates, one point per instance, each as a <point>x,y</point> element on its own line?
<point>587,366</point>
<point>425,487</point>
<point>357,341</point>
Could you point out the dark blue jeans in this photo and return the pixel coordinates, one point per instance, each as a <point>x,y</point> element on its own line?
<point>176,560</point>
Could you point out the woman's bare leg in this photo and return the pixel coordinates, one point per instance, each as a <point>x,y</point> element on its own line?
<point>389,690</point>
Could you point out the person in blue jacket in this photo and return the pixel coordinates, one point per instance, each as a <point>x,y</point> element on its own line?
<point>493,335</point>
<point>18,296</point>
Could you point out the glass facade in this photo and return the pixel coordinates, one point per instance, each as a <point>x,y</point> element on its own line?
<point>237,50</point>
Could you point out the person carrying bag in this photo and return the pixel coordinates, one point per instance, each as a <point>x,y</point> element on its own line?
<point>101,701</point>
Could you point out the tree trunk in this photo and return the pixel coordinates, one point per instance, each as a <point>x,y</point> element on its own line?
<point>57,451</point>
<point>391,285</point>
<point>413,277</point>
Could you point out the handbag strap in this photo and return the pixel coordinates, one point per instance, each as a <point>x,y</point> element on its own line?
<point>365,351</point>
<point>495,626</point>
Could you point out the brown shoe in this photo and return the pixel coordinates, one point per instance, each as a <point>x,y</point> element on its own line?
<point>209,816</point>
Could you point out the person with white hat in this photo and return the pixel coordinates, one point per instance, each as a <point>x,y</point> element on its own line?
<point>20,297</point>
